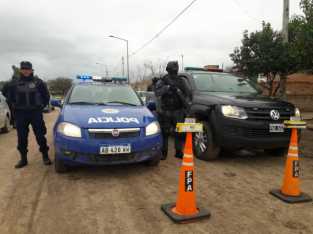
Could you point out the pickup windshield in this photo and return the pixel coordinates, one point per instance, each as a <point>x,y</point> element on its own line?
<point>221,82</point>
<point>104,94</point>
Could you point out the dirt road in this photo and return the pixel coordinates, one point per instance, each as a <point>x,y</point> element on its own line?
<point>127,199</point>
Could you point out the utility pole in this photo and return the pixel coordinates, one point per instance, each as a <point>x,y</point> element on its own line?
<point>128,78</point>
<point>285,33</point>
<point>123,66</point>
<point>182,62</point>
<point>286,20</point>
<point>127,52</point>
<point>106,71</point>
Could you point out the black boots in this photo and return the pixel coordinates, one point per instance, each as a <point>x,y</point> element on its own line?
<point>23,162</point>
<point>179,154</point>
<point>46,159</point>
<point>164,155</point>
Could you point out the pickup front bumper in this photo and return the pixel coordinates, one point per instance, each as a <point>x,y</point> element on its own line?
<point>236,133</point>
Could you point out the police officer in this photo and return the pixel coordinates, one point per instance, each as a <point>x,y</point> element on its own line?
<point>28,95</point>
<point>5,89</point>
<point>151,87</point>
<point>173,102</point>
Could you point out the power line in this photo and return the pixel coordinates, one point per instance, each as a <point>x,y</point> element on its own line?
<point>164,28</point>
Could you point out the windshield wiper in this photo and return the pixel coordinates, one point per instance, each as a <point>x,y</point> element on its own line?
<point>122,103</point>
<point>86,103</point>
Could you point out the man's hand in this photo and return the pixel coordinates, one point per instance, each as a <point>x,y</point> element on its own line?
<point>173,89</point>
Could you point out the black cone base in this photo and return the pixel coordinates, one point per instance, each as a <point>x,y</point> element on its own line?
<point>291,199</point>
<point>167,209</point>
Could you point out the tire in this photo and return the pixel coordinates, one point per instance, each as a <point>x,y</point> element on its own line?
<point>204,145</point>
<point>59,166</point>
<point>153,162</point>
<point>7,126</point>
<point>278,152</point>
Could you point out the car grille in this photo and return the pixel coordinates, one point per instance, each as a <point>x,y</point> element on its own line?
<point>112,158</point>
<point>260,133</point>
<point>107,133</point>
<point>264,113</point>
<point>255,133</point>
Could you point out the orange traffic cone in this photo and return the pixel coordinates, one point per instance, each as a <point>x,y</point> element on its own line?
<point>290,191</point>
<point>185,208</point>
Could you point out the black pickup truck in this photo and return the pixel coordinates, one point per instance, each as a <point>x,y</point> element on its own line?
<point>236,115</point>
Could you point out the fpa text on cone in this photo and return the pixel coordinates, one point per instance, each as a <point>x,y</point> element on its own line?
<point>290,191</point>
<point>185,209</point>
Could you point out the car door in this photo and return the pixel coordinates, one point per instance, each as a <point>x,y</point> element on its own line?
<point>2,111</point>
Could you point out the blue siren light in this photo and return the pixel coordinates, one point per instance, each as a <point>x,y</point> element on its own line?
<point>84,77</point>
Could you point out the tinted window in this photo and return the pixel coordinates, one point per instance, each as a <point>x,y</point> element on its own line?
<point>103,94</point>
<point>221,82</point>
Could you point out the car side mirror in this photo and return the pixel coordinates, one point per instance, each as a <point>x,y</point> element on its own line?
<point>151,105</point>
<point>56,103</point>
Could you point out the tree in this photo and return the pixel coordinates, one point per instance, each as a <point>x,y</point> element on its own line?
<point>301,37</point>
<point>263,52</point>
<point>59,86</point>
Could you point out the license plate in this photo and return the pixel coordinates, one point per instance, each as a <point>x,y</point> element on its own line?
<point>115,149</point>
<point>277,128</point>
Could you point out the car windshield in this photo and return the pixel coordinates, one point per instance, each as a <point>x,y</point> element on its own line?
<point>104,94</point>
<point>221,82</point>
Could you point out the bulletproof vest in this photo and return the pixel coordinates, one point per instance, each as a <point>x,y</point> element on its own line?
<point>171,100</point>
<point>27,95</point>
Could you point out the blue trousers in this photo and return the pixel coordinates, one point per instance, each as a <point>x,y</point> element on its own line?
<point>34,118</point>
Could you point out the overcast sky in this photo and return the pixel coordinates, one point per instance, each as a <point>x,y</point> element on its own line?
<point>69,37</point>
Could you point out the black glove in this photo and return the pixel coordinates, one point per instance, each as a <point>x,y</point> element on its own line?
<point>173,89</point>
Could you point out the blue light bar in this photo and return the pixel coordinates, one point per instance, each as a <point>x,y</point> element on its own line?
<point>84,77</point>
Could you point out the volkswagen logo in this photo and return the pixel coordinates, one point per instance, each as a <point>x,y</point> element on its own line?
<point>275,114</point>
<point>115,132</point>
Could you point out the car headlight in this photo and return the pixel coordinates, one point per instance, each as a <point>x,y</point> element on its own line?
<point>70,130</point>
<point>234,112</point>
<point>297,112</point>
<point>153,128</point>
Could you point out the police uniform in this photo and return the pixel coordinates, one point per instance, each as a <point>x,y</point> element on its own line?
<point>28,96</point>
<point>173,102</point>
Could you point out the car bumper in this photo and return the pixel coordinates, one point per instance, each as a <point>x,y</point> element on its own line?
<point>84,152</point>
<point>233,133</point>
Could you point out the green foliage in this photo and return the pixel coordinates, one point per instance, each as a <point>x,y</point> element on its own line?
<point>263,52</point>
<point>16,72</point>
<point>2,83</point>
<point>307,8</point>
<point>59,86</point>
<point>301,38</point>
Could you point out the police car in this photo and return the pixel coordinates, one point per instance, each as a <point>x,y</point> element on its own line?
<point>104,122</point>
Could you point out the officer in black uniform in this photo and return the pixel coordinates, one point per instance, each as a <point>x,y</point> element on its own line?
<point>15,76</point>
<point>151,87</point>
<point>173,103</point>
<point>28,95</point>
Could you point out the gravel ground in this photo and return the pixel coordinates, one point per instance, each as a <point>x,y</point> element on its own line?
<point>127,199</point>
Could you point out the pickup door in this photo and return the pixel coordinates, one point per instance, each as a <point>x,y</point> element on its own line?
<point>2,111</point>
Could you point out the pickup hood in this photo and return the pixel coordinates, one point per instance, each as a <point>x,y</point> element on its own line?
<point>90,116</point>
<point>251,100</point>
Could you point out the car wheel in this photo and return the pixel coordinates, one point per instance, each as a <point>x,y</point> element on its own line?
<point>204,146</point>
<point>278,152</point>
<point>154,162</point>
<point>59,166</point>
<point>7,125</point>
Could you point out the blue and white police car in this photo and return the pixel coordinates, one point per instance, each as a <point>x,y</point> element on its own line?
<point>104,122</point>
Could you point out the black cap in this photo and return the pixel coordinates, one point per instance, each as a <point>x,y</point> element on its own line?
<point>26,65</point>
